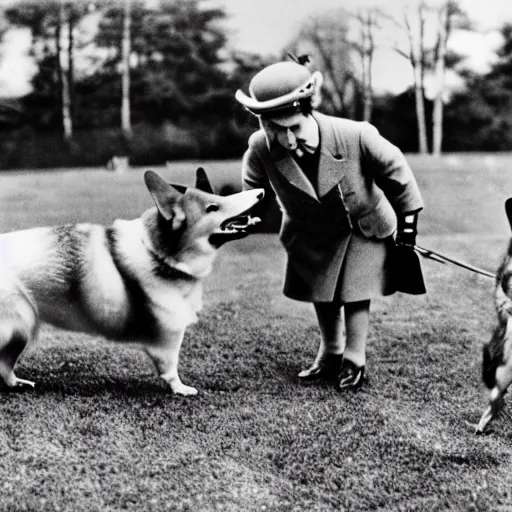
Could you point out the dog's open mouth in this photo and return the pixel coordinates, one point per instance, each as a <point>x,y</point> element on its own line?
<point>239,223</point>
<point>233,229</point>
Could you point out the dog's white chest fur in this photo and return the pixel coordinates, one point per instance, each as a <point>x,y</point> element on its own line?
<point>176,302</point>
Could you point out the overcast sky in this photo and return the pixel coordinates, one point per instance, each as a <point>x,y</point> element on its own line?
<point>265,26</point>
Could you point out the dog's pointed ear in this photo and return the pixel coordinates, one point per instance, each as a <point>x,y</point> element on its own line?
<point>202,181</point>
<point>167,199</point>
<point>508,210</point>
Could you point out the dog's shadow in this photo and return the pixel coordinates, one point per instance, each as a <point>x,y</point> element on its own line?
<point>136,379</point>
<point>103,370</point>
<point>93,385</point>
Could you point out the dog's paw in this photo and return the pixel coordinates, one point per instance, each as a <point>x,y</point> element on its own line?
<point>486,418</point>
<point>16,384</point>
<point>183,390</point>
<point>178,388</point>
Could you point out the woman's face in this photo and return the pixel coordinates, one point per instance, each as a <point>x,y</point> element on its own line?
<point>290,131</point>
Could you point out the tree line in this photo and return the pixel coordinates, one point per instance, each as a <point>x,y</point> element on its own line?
<point>155,81</point>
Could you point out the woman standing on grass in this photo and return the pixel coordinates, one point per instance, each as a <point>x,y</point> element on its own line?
<point>346,195</point>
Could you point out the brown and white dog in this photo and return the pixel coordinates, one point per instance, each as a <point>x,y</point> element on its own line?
<point>497,353</point>
<point>138,280</point>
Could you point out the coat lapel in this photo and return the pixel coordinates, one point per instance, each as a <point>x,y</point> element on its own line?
<point>330,168</point>
<point>332,157</point>
<point>287,166</point>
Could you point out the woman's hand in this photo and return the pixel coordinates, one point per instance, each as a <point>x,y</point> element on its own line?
<point>407,230</point>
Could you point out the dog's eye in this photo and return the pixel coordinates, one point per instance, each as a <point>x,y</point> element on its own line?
<point>212,208</point>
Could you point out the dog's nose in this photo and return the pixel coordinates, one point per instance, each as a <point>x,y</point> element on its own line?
<point>261,194</point>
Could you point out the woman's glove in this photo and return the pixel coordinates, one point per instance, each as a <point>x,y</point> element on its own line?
<point>407,229</point>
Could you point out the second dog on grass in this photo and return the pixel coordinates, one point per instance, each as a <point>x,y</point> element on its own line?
<point>497,353</point>
<point>139,280</point>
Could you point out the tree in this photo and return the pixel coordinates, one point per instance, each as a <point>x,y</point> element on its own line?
<point>176,56</point>
<point>417,58</point>
<point>413,24</point>
<point>325,37</point>
<point>444,25</point>
<point>64,40</point>
<point>368,24</point>
<point>126,46</point>
<point>480,117</point>
<point>395,118</point>
<point>427,30</point>
<point>449,16</point>
<point>52,25</point>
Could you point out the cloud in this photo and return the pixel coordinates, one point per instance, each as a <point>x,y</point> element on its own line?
<point>478,48</point>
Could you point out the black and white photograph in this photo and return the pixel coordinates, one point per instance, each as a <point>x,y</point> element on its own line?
<point>255,255</point>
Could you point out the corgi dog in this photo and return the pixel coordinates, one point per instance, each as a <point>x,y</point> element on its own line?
<point>497,352</point>
<point>137,281</point>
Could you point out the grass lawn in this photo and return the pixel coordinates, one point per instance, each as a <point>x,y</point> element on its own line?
<point>101,433</point>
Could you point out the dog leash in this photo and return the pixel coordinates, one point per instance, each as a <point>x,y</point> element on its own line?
<point>441,258</point>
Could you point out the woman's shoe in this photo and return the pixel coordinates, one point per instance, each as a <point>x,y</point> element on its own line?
<point>328,368</point>
<point>351,377</point>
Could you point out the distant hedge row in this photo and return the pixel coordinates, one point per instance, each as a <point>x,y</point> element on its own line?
<point>149,145</point>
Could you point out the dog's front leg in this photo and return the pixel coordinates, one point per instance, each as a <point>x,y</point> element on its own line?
<point>491,411</point>
<point>496,402</point>
<point>165,355</point>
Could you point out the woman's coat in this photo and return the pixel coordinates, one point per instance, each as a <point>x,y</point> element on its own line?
<point>364,182</point>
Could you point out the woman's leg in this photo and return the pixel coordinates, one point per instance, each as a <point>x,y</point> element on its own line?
<point>357,321</point>
<point>332,342</point>
<point>330,322</point>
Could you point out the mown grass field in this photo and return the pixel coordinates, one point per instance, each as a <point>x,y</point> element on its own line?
<point>101,433</point>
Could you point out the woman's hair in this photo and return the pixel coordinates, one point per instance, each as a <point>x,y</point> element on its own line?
<point>306,106</point>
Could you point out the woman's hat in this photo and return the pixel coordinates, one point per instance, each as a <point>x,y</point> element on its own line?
<point>279,87</point>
